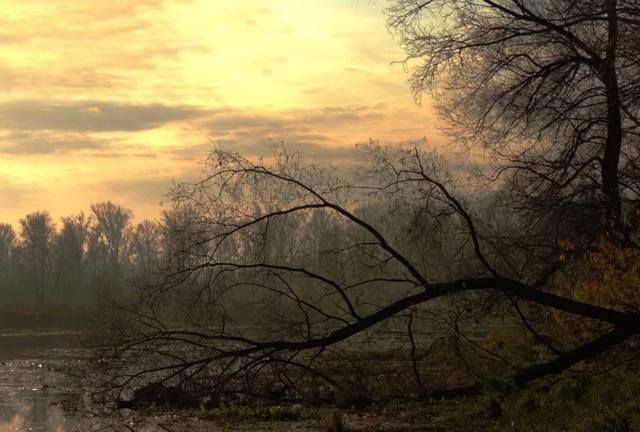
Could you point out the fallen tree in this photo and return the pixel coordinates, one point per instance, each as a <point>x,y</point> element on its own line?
<point>278,273</point>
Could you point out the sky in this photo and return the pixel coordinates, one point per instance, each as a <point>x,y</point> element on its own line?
<point>116,99</point>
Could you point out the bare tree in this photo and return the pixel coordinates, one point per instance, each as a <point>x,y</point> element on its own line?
<point>548,86</point>
<point>7,242</point>
<point>36,233</point>
<point>7,245</point>
<point>262,291</point>
<point>71,246</point>
<point>146,247</point>
<point>283,263</point>
<point>112,233</point>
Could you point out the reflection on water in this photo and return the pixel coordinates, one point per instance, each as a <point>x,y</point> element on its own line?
<point>33,393</point>
<point>54,420</point>
<point>36,393</point>
<point>17,422</point>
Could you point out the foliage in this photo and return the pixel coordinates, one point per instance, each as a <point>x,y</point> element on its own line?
<point>604,403</point>
<point>609,276</point>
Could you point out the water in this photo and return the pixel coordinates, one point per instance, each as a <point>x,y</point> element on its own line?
<point>35,392</point>
<point>38,392</point>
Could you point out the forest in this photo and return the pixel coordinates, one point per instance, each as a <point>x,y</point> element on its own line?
<point>61,270</point>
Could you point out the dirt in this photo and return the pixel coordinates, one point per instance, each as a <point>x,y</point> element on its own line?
<point>432,416</point>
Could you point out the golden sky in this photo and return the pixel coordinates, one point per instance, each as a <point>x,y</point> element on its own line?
<point>113,99</point>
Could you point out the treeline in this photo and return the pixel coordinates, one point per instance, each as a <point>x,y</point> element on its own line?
<point>78,260</point>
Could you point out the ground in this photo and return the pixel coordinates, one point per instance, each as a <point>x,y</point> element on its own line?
<point>398,416</point>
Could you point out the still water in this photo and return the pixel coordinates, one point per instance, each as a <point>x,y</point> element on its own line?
<point>35,394</point>
<point>39,393</point>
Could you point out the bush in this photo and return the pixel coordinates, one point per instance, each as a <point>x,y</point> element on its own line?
<point>237,412</point>
<point>605,403</point>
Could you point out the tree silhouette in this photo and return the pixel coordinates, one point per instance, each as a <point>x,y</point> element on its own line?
<point>549,86</point>
<point>37,231</point>
<point>281,263</point>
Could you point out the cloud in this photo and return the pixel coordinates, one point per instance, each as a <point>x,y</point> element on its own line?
<point>13,195</point>
<point>90,116</point>
<point>322,133</point>
<point>153,189</point>
<point>145,193</point>
<point>92,44</point>
<point>107,18</point>
<point>282,123</point>
<point>8,75</point>
<point>309,149</point>
<point>36,143</point>
<point>327,133</point>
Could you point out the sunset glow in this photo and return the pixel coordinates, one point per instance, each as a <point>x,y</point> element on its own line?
<point>113,99</point>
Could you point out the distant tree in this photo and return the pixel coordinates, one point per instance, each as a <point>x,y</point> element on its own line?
<point>176,235</point>
<point>70,251</point>
<point>7,242</point>
<point>37,232</point>
<point>7,245</point>
<point>147,247</point>
<point>111,238</point>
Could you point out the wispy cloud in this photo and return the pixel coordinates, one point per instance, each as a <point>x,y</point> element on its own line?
<point>310,123</point>
<point>89,116</point>
<point>37,143</point>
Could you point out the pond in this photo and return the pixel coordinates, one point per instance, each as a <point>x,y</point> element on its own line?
<point>36,391</point>
<point>39,393</point>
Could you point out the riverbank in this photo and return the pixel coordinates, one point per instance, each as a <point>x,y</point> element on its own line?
<point>40,391</point>
<point>26,318</point>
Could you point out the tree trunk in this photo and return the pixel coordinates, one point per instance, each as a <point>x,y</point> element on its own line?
<point>613,143</point>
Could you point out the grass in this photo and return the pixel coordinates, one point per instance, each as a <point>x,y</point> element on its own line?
<point>570,403</point>
<point>605,403</point>
<point>239,412</point>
